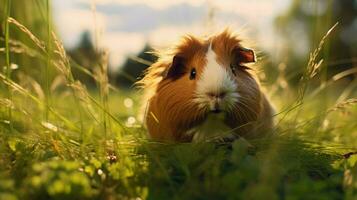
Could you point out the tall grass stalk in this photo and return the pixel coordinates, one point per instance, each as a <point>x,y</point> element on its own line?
<point>325,22</point>
<point>67,72</point>
<point>64,64</point>
<point>313,66</point>
<point>48,60</point>
<point>312,69</point>
<point>8,63</point>
<point>32,37</point>
<point>101,71</point>
<point>14,86</point>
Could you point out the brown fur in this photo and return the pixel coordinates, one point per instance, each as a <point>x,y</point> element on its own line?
<point>170,111</point>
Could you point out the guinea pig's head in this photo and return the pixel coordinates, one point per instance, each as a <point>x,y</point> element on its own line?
<point>204,76</point>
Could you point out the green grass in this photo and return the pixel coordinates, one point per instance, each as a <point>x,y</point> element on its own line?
<point>7,54</point>
<point>62,141</point>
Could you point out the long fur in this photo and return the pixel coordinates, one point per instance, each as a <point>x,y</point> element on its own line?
<point>170,108</point>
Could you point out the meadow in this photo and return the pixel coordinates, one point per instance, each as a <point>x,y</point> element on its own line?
<point>60,139</point>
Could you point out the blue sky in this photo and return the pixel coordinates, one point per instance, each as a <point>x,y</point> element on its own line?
<point>125,26</point>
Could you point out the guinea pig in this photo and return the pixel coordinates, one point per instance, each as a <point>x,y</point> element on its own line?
<point>202,90</point>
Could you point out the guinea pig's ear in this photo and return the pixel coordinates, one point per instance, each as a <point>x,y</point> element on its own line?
<point>244,55</point>
<point>177,67</point>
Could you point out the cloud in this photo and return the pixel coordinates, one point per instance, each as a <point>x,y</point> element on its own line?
<point>72,22</point>
<point>121,45</point>
<point>143,18</point>
<point>124,26</point>
<point>157,4</point>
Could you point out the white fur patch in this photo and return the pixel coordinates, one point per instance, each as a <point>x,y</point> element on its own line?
<point>215,79</point>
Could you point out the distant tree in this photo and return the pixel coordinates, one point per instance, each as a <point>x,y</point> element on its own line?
<point>303,26</point>
<point>85,55</point>
<point>134,67</point>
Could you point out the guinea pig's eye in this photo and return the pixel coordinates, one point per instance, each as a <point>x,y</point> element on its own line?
<point>193,74</point>
<point>233,69</point>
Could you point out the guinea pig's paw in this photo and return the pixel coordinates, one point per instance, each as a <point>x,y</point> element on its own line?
<point>226,139</point>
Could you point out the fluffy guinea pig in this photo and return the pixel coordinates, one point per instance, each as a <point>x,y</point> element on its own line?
<point>202,90</point>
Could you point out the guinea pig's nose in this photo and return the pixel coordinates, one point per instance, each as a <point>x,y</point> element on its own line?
<point>219,95</point>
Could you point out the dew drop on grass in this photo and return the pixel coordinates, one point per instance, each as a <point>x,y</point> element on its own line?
<point>14,66</point>
<point>128,103</point>
<point>130,121</point>
<point>325,124</point>
<point>49,126</point>
<point>6,121</point>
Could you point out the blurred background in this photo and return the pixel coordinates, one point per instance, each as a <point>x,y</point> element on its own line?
<point>283,32</point>
<point>69,114</point>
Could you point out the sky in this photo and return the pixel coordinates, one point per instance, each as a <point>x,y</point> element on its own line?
<point>124,27</point>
